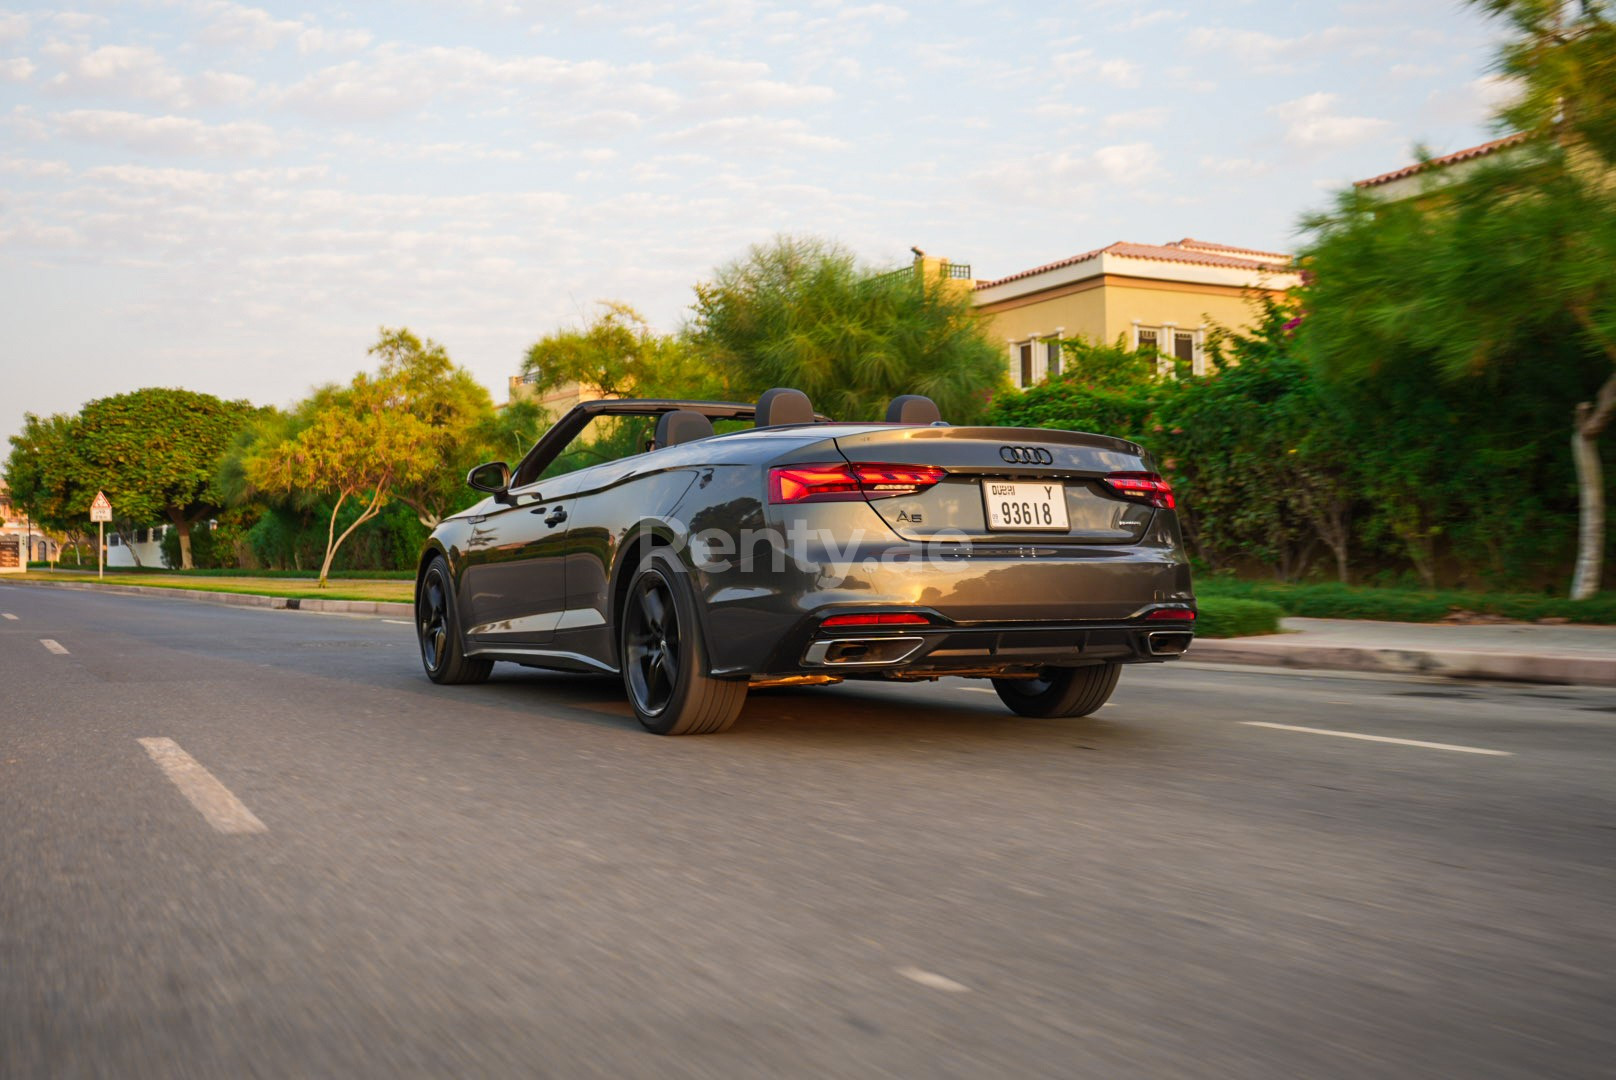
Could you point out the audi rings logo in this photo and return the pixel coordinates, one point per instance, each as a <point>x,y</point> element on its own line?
<point>1026,455</point>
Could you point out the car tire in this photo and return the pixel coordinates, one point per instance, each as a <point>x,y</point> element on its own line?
<point>1060,691</point>
<point>437,628</point>
<point>664,659</point>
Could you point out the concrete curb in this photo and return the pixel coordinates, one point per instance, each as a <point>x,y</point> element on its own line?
<point>279,603</point>
<point>1448,663</point>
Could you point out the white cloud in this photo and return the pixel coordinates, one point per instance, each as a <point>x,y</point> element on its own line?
<point>1117,72</point>
<point>1153,18</point>
<point>121,71</point>
<point>396,80</point>
<point>754,133</point>
<point>77,21</point>
<point>246,27</point>
<point>13,27</point>
<point>1059,110</point>
<point>1311,124</point>
<point>883,13</point>
<point>317,39</point>
<point>1061,178</point>
<point>221,88</point>
<point>1474,103</point>
<point>16,69</point>
<point>34,167</point>
<point>178,135</point>
<point>1235,166</point>
<point>1128,161</point>
<point>1136,119</point>
<point>1255,49</point>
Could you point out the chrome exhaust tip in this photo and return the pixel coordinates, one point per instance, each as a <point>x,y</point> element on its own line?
<point>861,652</point>
<point>1168,642</point>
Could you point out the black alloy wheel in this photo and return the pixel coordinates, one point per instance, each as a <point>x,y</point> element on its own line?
<point>442,652</point>
<point>664,660</point>
<point>651,644</point>
<point>1060,691</point>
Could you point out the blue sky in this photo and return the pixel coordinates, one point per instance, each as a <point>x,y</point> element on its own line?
<point>234,198</point>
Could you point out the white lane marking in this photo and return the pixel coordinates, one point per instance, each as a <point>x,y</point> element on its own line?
<point>399,622</point>
<point>8,615</point>
<point>933,980</point>
<point>225,812</point>
<point>54,646</point>
<point>1380,738</point>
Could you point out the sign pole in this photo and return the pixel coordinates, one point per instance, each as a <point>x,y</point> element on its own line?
<point>101,513</point>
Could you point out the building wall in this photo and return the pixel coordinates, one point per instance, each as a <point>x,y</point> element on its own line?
<point>150,551</point>
<point>20,534</point>
<point>1069,311</point>
<point>1111,307</point>
<point>1160,303</point>
<point>556,401</point>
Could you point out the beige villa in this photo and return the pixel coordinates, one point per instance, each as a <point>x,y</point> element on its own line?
<point>1162,296</point>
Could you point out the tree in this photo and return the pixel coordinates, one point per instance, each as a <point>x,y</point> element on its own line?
<point>456,410</point>
<point>355,442</point>
<point>43,478</point>
<point>1259,475</point>
<point>1500,260</point>
<point>154,452</point>
<point>803,313</point>
<point>619,355</point>
<point>1565,62</point>
<point>1109,389</point>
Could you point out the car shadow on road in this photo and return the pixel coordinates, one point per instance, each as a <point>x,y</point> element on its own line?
<point>851,713</point>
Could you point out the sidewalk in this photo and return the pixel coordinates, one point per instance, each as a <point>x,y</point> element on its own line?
<point>1520,652</point>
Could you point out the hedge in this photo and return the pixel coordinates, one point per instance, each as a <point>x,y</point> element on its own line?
<point>1222,617</point>
<point>1328,600</point>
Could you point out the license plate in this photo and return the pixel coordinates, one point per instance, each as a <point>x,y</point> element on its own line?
<point>1023,507</point>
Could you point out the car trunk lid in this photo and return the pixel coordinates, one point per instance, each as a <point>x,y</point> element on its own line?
<point>1008,484</point>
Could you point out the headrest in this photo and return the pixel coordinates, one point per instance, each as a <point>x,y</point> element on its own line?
<point>913,409</point>
<point>680,426</point>
<point>783,405</point>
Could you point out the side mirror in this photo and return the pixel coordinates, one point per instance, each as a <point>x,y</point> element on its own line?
<point>493,477</point>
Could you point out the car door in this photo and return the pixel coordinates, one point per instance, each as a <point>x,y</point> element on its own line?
<point>514,588</point>
<point>611,502</point>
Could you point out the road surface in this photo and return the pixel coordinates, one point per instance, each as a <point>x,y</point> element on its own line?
<point>238,842</point>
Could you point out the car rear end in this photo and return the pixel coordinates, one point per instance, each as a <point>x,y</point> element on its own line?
<point>911,552</point>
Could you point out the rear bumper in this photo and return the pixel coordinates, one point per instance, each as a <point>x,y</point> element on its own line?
<point>995,608</point>
<point>929,652</point>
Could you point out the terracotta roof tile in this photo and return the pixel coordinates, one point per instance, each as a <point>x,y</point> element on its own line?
<point>1207,245</point>
<point>1156,252</point>
<point>1454,158</point>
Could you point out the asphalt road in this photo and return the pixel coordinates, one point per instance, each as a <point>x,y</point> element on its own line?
<point>514,880</point>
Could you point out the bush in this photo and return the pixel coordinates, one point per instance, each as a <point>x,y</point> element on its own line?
<point>1333,601</point>
<point>1222,617</point>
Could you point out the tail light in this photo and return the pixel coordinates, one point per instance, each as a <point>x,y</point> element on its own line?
<point>1171,614</point>
<point>1146,487</point>
<point>848,483</point>
<point>884,618</point>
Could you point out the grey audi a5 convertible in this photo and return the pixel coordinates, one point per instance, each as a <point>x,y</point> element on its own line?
<point>796,550</point>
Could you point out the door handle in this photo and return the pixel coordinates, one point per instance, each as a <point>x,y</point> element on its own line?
<point>556,518</point>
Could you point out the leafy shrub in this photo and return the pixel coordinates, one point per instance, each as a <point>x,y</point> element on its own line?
<point>1334,601</point>
<point>1224,617</point>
